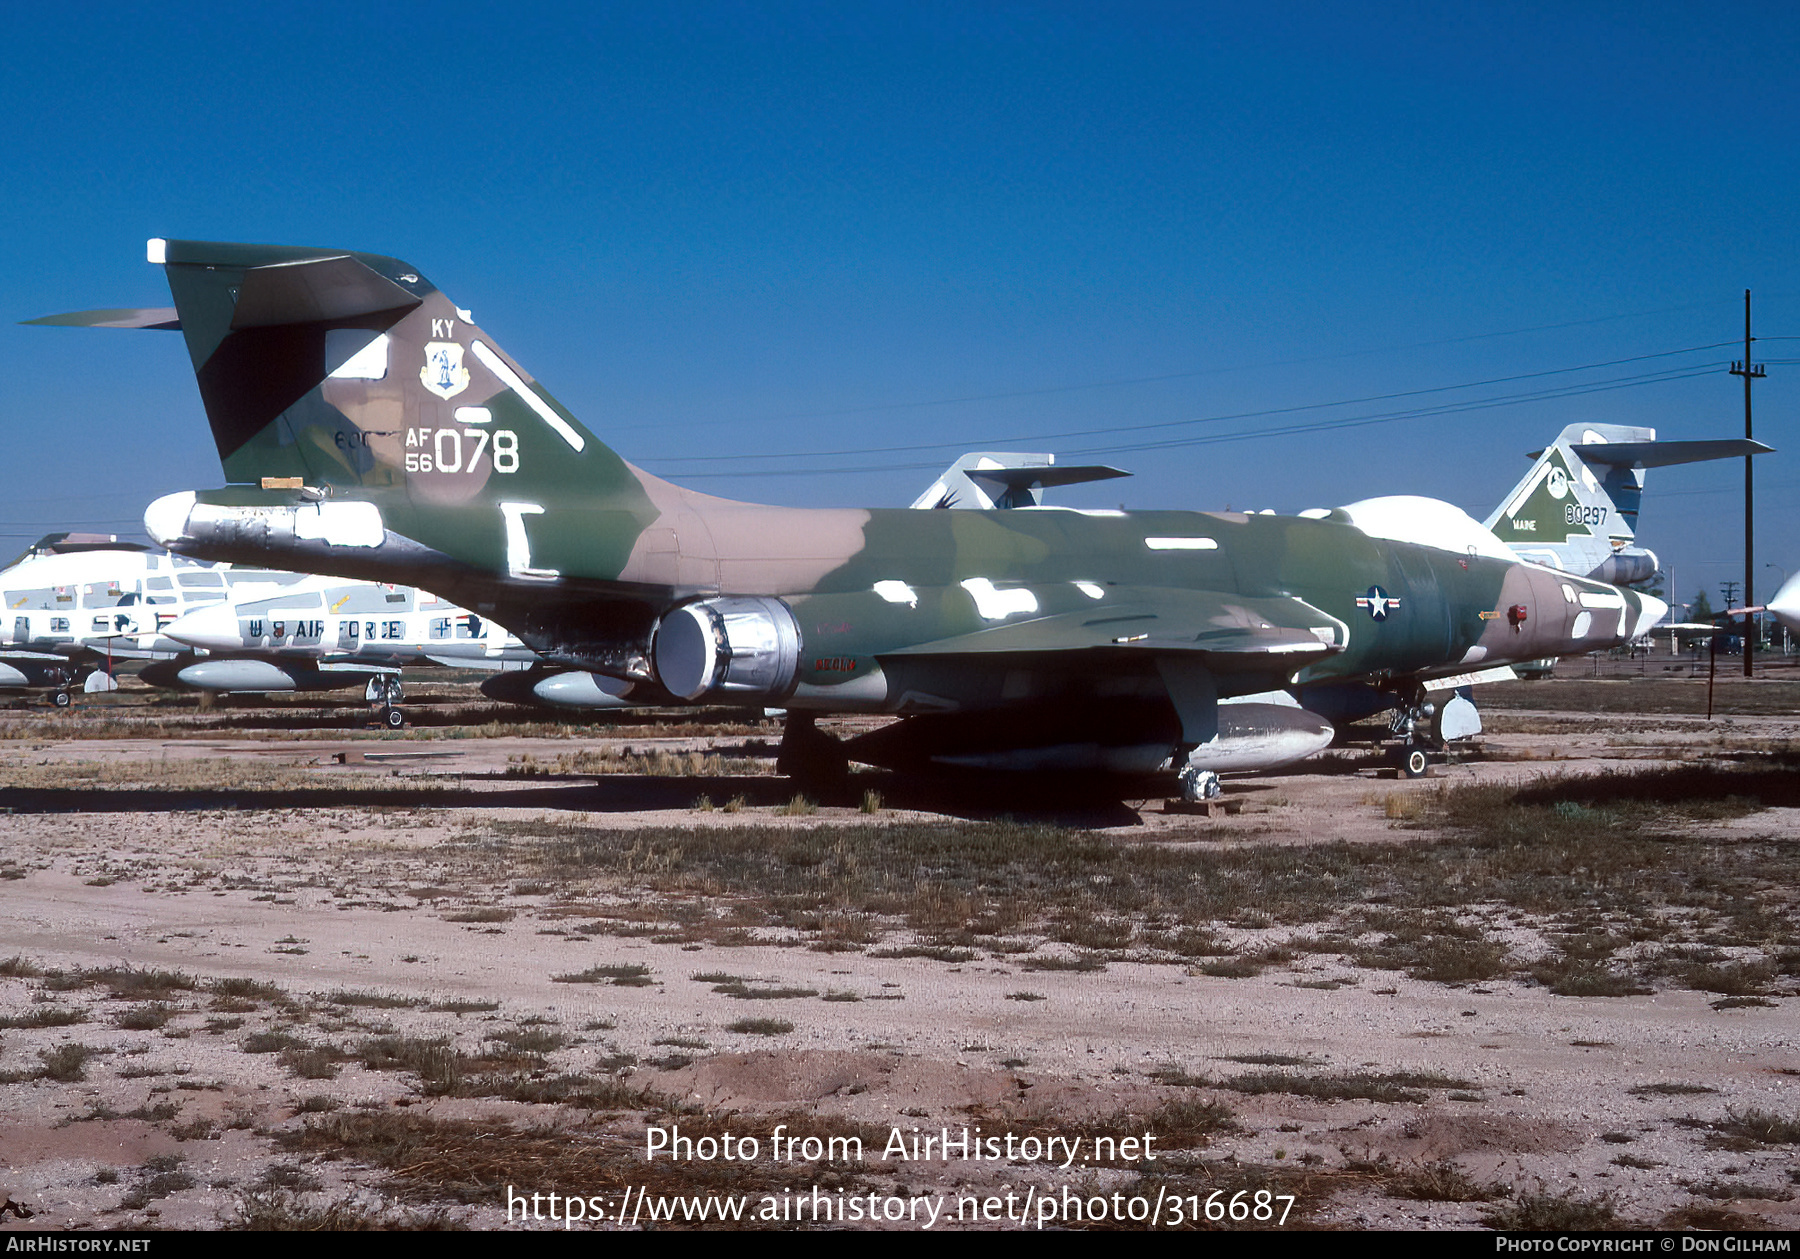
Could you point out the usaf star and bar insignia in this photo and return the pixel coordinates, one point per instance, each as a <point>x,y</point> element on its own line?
<point>1378,602</point>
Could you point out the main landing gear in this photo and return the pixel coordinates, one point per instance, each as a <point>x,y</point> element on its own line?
<point>1199,784</point>
<point>809,756</point>
<point>384,695</point>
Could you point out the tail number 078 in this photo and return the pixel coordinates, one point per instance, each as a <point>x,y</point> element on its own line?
<point>460,449</point>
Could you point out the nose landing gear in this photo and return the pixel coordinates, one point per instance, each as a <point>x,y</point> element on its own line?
<point>1411,724</point>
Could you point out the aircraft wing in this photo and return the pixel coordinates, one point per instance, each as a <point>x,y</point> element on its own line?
<point>1191,638</point>
<point>1286,633</point>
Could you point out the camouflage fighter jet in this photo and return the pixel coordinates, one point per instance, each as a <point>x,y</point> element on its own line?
<point>369,429</point>
<point>1576,511</point>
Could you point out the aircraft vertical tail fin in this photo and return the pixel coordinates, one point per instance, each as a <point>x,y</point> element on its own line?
<point>330,368</point>
<point>368,426</point>
<point>1577,509</point>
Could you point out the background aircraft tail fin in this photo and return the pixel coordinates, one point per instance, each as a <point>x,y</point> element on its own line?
<point>1577,509</point>
<point>986,480</point>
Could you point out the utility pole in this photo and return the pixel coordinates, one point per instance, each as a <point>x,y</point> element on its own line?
<point>1749,371</point>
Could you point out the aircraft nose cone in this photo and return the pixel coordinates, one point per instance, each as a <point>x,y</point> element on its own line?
<point>1785,606</point>
<point>214,628</point>
<point>1650,611</point>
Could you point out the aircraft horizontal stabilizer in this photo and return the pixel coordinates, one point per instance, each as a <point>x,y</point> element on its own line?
<point>989,480</point>
<point>1052,477</point>
<point>1665,454</point>
<point>158,317</point>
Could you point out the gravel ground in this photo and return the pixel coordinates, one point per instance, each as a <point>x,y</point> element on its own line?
<point>322,930</point>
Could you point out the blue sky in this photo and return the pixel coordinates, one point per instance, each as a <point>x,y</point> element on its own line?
<point>744,231</point>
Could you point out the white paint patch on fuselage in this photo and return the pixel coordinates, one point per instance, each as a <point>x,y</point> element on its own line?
<point>897,592</point>
<point>518,542</point>
<point>340,524</point>
<point>994,604</point>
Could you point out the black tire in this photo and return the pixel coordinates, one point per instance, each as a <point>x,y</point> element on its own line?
<point>393,719</point>
<point>62,699</point>
<point>1414,763</point>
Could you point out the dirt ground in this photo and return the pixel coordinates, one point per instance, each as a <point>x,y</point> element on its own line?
<point>340,980</point>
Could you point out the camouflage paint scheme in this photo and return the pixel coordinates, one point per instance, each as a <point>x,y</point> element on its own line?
<point>998,628</point>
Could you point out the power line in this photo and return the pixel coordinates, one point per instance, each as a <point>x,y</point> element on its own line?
<point>1048,390</point>
<point>976,443</point>
<point>1447,408</point>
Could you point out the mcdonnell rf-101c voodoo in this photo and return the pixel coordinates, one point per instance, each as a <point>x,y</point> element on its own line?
<point>369,429</point>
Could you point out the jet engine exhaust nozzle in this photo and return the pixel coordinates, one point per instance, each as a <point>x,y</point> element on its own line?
<point>733,649</point>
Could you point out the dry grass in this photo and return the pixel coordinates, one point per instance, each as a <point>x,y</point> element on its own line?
<point>66,1064</point>
<point>1442,1181</point>
<point>1605,850</point>
<point>620,975</point>
<point>760,1027</point>
<point>1397,1086</point>
<point>1759,1127</point>
<point>45,1016</point>
<point>144,1018</point>
<point>276,1210</point>
<point>656,763</point>
<point>468,1161</point>
<point>1543,1211</point>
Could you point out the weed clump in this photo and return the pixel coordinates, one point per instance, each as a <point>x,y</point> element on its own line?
<point>488,914</point>
<point>1546,1212</point>
<point>1442,1181</point>
<point>373,1000</point>
<point>45,1016</point>
<point>144,1018</point>
<point>1759,1127</point>
<point>276,1210</point>
<point>761,1027</point>
<point>66,1064</point>
<point>619,975</point>
<point>244,989</point>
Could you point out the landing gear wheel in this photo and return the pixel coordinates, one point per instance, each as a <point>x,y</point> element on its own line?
<point>393,719</point>
<point>1412,762</point>
<point>62,699</point>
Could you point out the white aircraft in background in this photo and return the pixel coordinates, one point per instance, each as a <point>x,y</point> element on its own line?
<point>77,607</point>
<point>1785,606</point>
